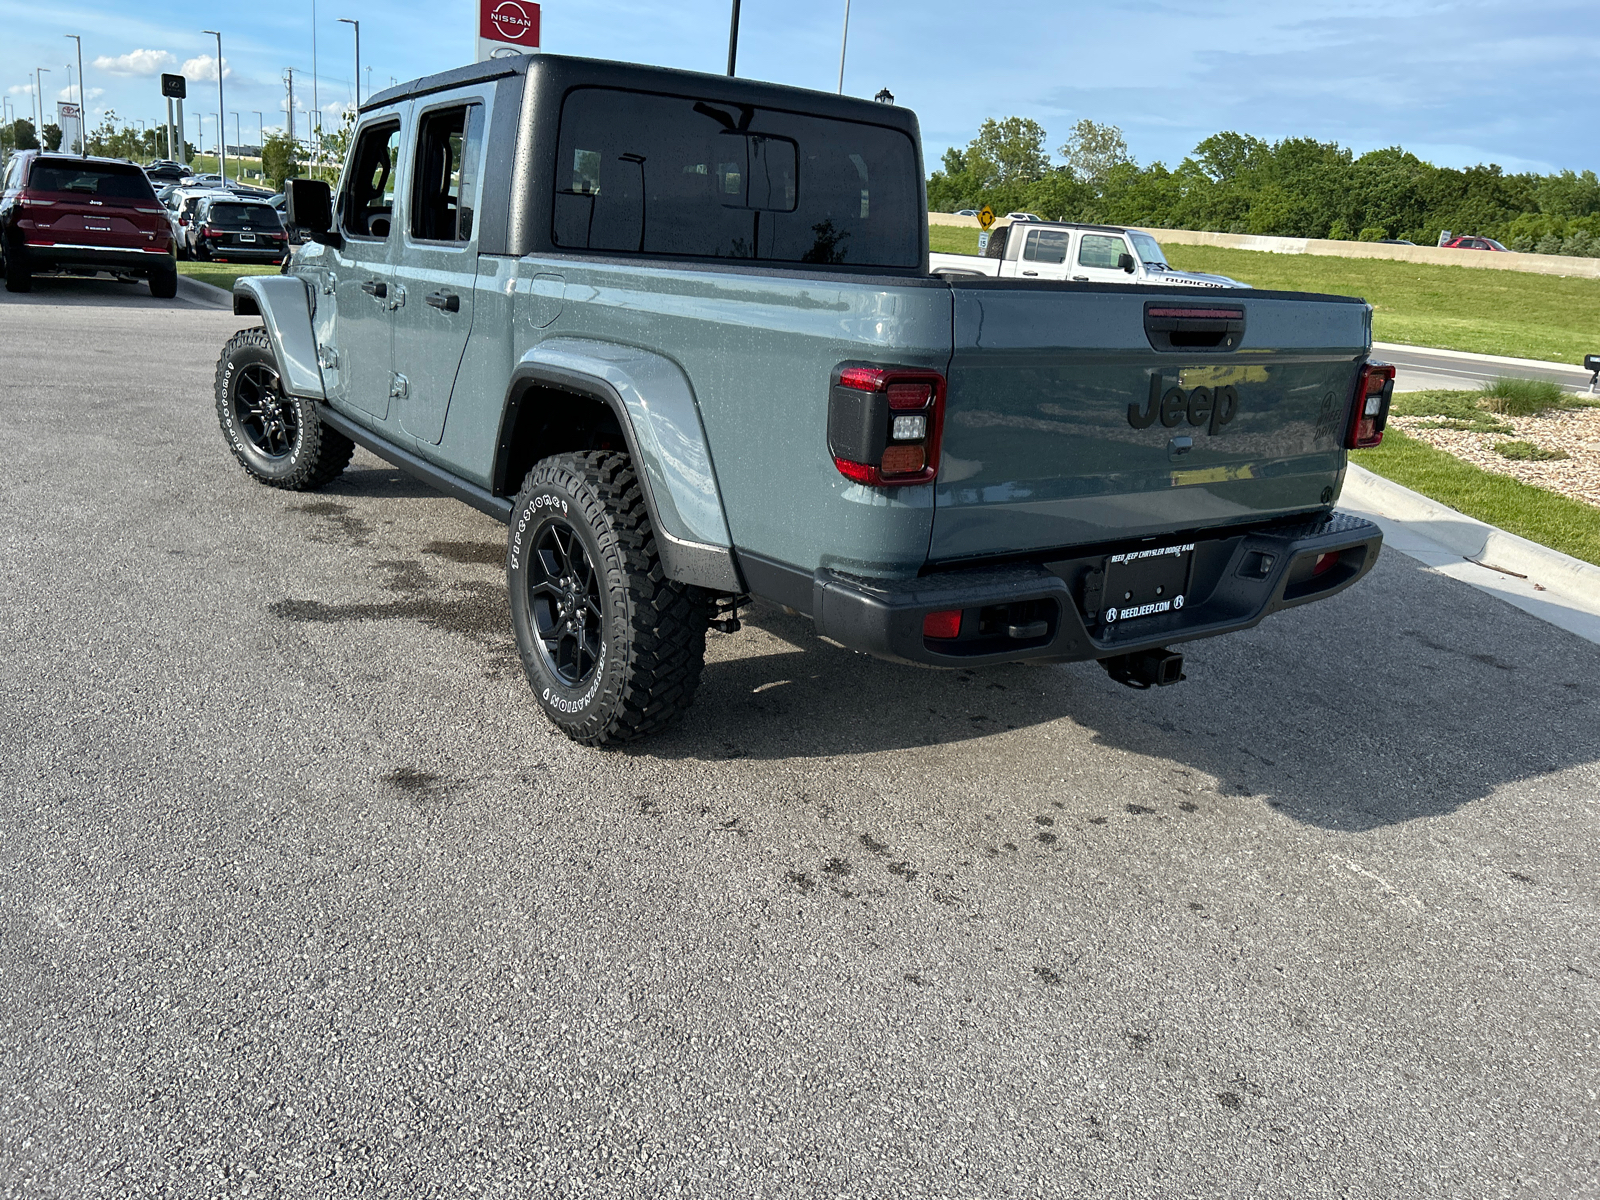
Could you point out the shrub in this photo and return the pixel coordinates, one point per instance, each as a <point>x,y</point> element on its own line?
<point>1548,244</point>
<point>1339,231</point>
<point>1522,397</point>
<point>1522,244</point>
<point>1527,452</point>
<point>1580,245</point>
<point>1372,233</point>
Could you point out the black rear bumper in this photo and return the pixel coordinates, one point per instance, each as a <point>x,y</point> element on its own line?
<point>40,259</point>
<point>1053,611</point>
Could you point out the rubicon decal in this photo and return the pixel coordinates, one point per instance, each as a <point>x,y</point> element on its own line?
<point>1212,407</point>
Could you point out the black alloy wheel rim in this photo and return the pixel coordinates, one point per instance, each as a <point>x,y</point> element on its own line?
<point>268,418</point>
<point>564,602</point>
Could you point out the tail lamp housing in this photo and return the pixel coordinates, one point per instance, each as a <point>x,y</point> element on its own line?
<point>885,423</point>
<point>1370,411</point>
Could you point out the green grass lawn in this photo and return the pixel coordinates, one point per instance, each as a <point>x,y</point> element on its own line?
<point>222,275</point>
<point>1455,308</point>
<point>1540,516</point>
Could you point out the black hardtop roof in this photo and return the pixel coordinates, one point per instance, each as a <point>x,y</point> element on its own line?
<point>559,72</point>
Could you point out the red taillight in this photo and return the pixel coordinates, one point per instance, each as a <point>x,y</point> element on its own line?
<point>1370,412</point>
<point>884,424</point>
<point>942,624</point>
<point>207,231</point>
<point>1325,563</point>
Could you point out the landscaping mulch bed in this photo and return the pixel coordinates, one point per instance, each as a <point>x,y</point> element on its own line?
<point>1573,431</point>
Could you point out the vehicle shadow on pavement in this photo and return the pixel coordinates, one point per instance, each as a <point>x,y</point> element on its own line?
<point>1408,696</point>
<point>90,292</point>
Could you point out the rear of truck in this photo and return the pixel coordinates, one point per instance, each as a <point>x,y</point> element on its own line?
<point>1123,469</point>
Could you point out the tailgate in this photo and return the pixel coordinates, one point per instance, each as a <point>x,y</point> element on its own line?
<point>1065,425</point>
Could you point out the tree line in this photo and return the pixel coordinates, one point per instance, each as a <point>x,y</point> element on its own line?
<point>1297,187</point>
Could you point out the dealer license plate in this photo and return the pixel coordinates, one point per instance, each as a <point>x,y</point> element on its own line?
<point>247,237</point>
<point>1145,583</point>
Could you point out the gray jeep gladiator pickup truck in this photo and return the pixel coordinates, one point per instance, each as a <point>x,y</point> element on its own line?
<point>679,332</point>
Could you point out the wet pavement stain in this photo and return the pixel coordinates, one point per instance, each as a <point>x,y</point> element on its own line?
<point>801,882</point>
<point>1188,806</point>
<point>347,530</point>
<point>1230,1100</point>
<point>1047,976</point>
<point>1138,1041</point>
<point>1047,839</point>
<point>837,867</point>
<point>474,610</point>
<point>1139,810</point>
<point>489,554</point>
<point>876,847</point>
<point>903,869</point>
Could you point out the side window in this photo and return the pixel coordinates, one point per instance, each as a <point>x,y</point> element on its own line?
<point>445,179</point>
<point>1100,250</point>
<point>368,202</point>
<point>1046,246</point>
<point>14,176</point>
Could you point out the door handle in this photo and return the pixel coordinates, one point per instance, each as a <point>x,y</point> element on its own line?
<point>377,288</point>
<point>445,301</point>
<point>1080,279</point>
<point>1030,272</point>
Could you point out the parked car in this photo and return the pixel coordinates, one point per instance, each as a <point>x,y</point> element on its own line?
<point>81,216</point>
<point>181,204</point>
<point>602,326</point>
<point>1395,242</point>
<point>166,171</point>
<point>1076,252</point>
<point>967,212</point>
<point>1474,243</point>
<point>231,229</point>
<point>1023,216</point>
<point>250,191</point>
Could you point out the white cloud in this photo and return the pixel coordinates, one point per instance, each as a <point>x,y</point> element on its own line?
<point>204,69</point>
<point>136,62</point>
<point>70,94</point>
<point>20,89</point>
<point>337,109</point>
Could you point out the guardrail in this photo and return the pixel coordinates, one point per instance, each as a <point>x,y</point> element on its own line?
<point>1537,264</point>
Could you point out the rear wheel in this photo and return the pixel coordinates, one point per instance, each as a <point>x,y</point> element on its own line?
<point>278,438</point>
<point>164,283</point>
<point>613,649</point>
<point>18,278</point>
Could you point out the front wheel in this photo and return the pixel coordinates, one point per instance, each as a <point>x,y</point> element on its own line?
<point>278,438</point>
<point>613,649</point>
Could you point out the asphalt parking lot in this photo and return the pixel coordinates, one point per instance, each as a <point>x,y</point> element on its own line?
<point>301,896</point>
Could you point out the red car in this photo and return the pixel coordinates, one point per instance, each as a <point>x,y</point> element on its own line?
<point>1472,243</point>
<point>59,212</point>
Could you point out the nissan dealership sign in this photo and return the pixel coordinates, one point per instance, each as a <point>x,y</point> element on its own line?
<point>507,27</point>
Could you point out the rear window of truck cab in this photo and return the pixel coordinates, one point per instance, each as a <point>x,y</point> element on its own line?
<point>644,173</point>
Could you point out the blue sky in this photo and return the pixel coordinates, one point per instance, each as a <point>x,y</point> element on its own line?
<point>1457,83</point>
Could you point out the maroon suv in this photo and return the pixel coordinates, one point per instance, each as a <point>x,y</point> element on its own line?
<point>81,215</point>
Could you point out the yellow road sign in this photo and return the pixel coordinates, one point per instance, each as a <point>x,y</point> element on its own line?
<point>985,217</point>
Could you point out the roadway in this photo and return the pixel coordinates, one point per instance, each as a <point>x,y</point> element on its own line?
<point>1421,369</point>
<point>300,895</point>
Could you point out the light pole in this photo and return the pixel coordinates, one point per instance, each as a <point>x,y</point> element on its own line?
<point>222,142</point>
<point>83,105</point>
<point>238,138</point>
<point>261,134</point>
<point>38,86</point>
<point>844,40</point>
<point>733,36</point>
<point>357,26</point>
<point>316,131</point>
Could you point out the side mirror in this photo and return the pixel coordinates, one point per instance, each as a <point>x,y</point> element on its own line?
<point>1125,262</point>
<point>308,209</point>
<point>1591,362</point>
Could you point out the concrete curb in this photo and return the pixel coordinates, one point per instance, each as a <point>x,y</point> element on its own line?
<point>1473,539</point>
<point>203,293</point>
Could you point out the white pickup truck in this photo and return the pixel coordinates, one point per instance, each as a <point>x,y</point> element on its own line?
<point>1081,253</point>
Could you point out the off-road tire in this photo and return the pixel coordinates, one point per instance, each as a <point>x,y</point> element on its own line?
<point>651,630</point>
<point>278,438</point>
<point>18,278</point>
<point>164,283</point>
